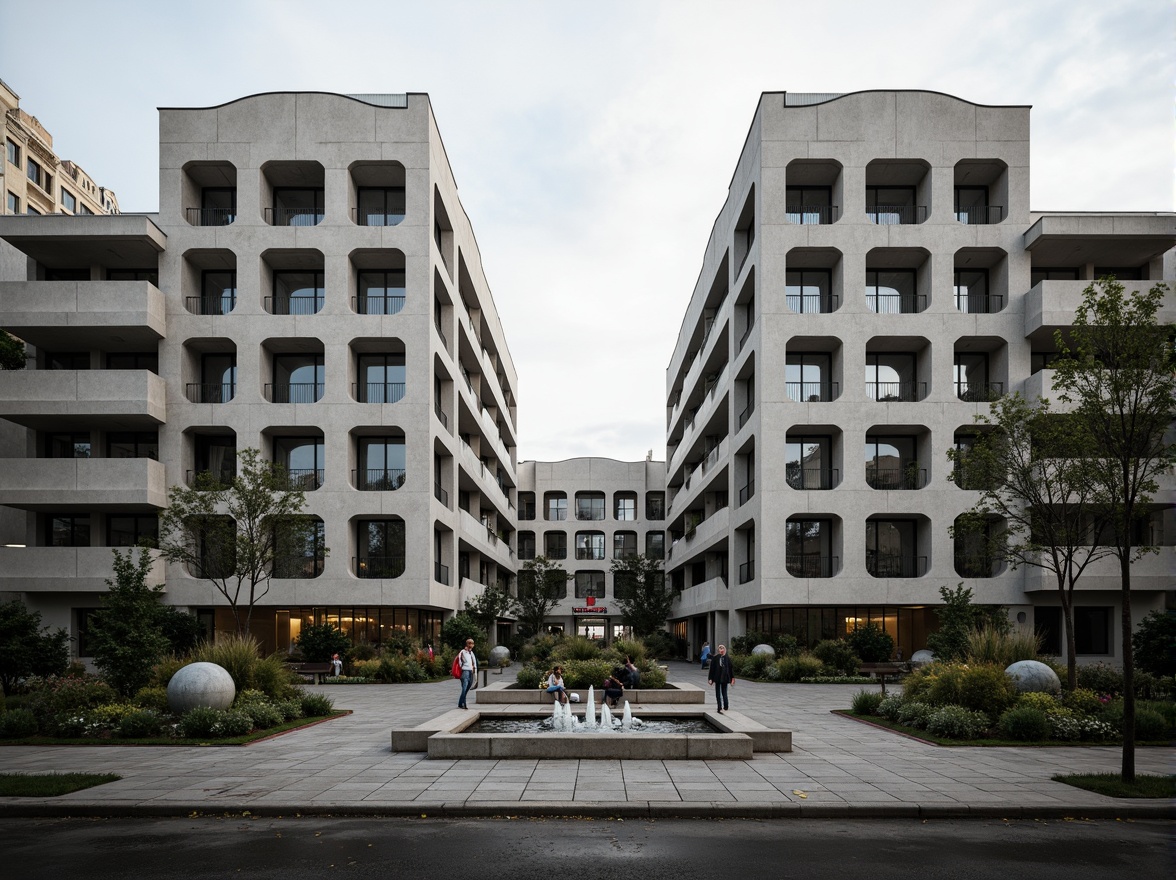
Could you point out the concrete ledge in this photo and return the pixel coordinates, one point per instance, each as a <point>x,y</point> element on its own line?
<point>416,739</point>
<point>764,739</point>
<point>501,692</point>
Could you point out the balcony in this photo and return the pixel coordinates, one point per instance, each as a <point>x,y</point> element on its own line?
<point>210,216</point>
<point>64,569</point>
<point>896,215</point>
<point>294,392</point>
<point>901,475</point>
<point>812,303</point>
<point>206,479</point>
<point>746,493</point>
<point>59,399</point>
<point>73,314</point>
<point>211,392</point>
<point>294,305</point>
<point>979,392</point>
<point>812,477</point>
<point>896,392</point>
<point>303,479</point>
<point>441,573</point>
<point>811,565</point>
<point>92,483</point>
<point>980,215</point>
<point>812,392</point>
<point>896,303</point>
<point>388,304</point>
<point>895,565</point>
<point>307,216</point>
<point>379,392</point>
<point>440,494</point>
<point>812,215</point>
<point>378,479</point>
<point>747,571</point>
<point>1050,305</point>
<point>211,305</point>
<point>376,567</point>
<point>977,565</point>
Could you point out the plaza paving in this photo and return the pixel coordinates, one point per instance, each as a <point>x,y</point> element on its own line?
<point>838,767</point>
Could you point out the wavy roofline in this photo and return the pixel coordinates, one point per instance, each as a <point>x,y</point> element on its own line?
<point>266,94</point>
<point>894,92</point>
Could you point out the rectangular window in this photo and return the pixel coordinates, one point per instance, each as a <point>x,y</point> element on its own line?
<point>590,583</point>
<point>218,293</point>
<point>380,292</point>
<point>526,506</point>
<point>655,545</point>
<point>809,204</point>
<point>556,506</point>
<point>149,275</point>
<point>132,531</point>
<point>69,530</point>
<point>133,360</point>
<point>382,463</point>
<point>133,444</point>
<point>1092,630</point>
<point>13,204</point>
<point>297,206</point>
<point>555,545</point>
<point>808,290</point>
<point>69,201</point>
<point>67,360</point>
<point>13,152</point>
<point>302,458</point>
<point>74,444</point>
<point>590,545</point>
<point>35,173</point>
<point>526,545</point>
<point>297,293</point>
<point>590,506</point>
<point>298,378</point>
<point>381,378</point>
<point>626,507</point>
<point>806,377</point>
<point>655,506</point>
<point>1038,274</point>
<point>624,545</point>
<point>382,206</point>
<point>893,291</point>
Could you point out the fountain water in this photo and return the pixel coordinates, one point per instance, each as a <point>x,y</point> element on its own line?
<point>563,721</point>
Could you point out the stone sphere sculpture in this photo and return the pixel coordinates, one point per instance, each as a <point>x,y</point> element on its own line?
<point>764,649</point>
<point>200,684</point>
<point>1031,676</point>
<point>921,657</point>
<point>499,653</point>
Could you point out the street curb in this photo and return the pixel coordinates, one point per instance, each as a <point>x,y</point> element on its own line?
<point>593,810</point>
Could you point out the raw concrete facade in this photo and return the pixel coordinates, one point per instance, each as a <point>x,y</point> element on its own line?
<point>875,277</point>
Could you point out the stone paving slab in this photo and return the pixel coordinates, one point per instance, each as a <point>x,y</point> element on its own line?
<point>344,767</point>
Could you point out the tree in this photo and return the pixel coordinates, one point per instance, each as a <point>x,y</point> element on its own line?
<point>640,591</point>
<point>1117,369</point>
<point>318,642</point>
<point>542,583</point>
<point>1034,476</point>
<point>27,648</point>
<point>494,602</point>
<point>460,627</point>
<point>12,352</point>
<point>236,534</point>
<point>126,633</point>
<point>957,618</point>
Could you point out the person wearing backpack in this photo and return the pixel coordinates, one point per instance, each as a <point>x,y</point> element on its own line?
<point>467,663</point>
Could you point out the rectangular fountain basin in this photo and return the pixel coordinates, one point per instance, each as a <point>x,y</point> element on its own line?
<point>501,693</point>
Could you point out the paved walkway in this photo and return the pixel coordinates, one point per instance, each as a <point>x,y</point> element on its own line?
<point>838,767</point>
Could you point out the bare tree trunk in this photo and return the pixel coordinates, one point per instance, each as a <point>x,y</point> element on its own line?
<point>1128,670</point>
<point>1071,645</point>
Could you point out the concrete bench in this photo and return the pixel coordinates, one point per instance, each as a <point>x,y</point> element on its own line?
<point>314,671</point>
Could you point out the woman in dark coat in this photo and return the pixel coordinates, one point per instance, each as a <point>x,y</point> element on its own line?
<point>721,675</point>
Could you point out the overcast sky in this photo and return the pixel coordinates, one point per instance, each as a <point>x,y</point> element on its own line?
<point>593,142</point>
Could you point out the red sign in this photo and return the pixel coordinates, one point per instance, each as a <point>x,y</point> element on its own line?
<point>597,609</point>
<point>591,600</point>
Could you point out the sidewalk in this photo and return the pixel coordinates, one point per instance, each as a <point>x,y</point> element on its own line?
<point>838,767</point>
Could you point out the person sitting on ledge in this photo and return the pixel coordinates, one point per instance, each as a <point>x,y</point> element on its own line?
<point>632,674</point>
<point>614,689</point>
<point>555,685</point>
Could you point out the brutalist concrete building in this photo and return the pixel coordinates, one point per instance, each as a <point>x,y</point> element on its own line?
<point>875,278</point>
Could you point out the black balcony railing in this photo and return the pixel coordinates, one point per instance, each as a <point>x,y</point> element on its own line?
<point>210,305</point>
<point>812,392</point>
<point>746,493</point>
<point>211,216</point>
<point>211,392</point>
<point>294,305</point>
<point>979,304</point>
<point>440,494</point>
<point>812,303</point>
<point>440,573</point>
<point>898,475</point>
<point>376,218</point>
<point>884,565</point>
<point>742,340</point>
<point>896,215</point>
<point>294,392</point>
<point>979,392</point>
<point>812,477</point>
<point>746,414</point>
<point>293,216</point>
<point>444,339</point>
<point>379,479</point>
<point>896,303</point>
<point>378,392</point>
<point>747,571</point>
<point>441,417</point>
<point>378,566</point>
<point>977,565</point>
<point>810,565</point>
<point>206,479</point>
<point>811,215</point>
<point>390,304</point>
<point>298,566</point>
<point>980,215</point>
<point>303,479</point>
<point>891,392</point>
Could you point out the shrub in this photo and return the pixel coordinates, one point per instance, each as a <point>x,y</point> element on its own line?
<point>232,723</point>
<point>236,654</point>
<point>262,714</point>
<point>290,709</point>
<point>538,649</point>
<point>754,665</point>
<point>1101,678</point>
<point>660,645</point>
<point>140,724</point>
<point>162,672</point>
<point>110,715</point>
<point>396,669</point>
<point>460,627</point>
<point>956,722</point>
<point>362,651</point>
<point>783,645</point>
<point>316,705</point>
<point>1151,687</point>
<point>808,666</point>
<point>27,648</point>
<point>837,656</point>
<point>653,676</point>
<point>1154,644</point>
<point>273,676</point>
<point>871,643</point>
<point>54,698</point>
<point>866,702</point>
<point>785,669</point>
<point>579,674</point>
<point>198,723</point>
<point>997,645</point>
<point>367,668</point>
<point>986,688</point>
<point>125,632</point>
<point>576,648</point>
<point>17,724</point>
<point>1072,728</point>
<point>1025,723</point>
<point>318,641</point>
<point>153,698</point>
<point>1150,724</point>
<point>529,677</point>
<point>890,707</point>
<point>913,714</point>
<point>1083,701</point>
<point>634,648</point>
<point>1047,703</point>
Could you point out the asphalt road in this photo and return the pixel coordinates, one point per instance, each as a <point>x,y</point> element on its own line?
<point>583,849</point>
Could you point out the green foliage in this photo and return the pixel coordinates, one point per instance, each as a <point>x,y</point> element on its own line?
<point>460,627</point>
<point>17,724</point>
<point>529,677</point>
<point>1047,703</point>
<point>182,630</point>
<point>140,724</point>
<point>660,644</point>
<point>162,672</point>
<point>652,677</point>
<point>493,603</point>
<point>396,669</point>
<point>239,656</point>
<point>980,687</point>
<point>26,648</point>
<point>262,713</point>
<point>871,643</point>
<point>914,714</point>
<point>1025,723</point>
<point>538,649</point>
<point>126,632</point>
<point>319,641</point>
<point>1101,678</point>
<point>363,651</point>
<point>54,700</point>
<point>1082,701</point>
<point>837,656</point>
<point>1155,644</point>
<point>991,644</point>
<point>235,534</point>
<point>290,709</point>
<point>634,648</point>
<point>153,698</point>
<point>956,722</point>
<point>315,705</point>
<point>541,585</point>
<point>576,648</point>
<point>866,702</point>
<point>1151,725</point>
<point>958,617</point>
<point>234,722</point>
<point>12,352</point>
<point>641,592</point>
<point>199,723</point>
<point>890,707</point>
<point>579,674</point>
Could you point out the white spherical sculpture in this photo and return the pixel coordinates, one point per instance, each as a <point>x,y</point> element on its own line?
<point>764,649</point>
<point>1033,677</point>
<point>200,684</point>
<point>499,653</point>
<point>921,656</point>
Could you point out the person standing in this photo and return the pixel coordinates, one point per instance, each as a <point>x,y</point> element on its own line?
<point>336,665</point>
<point>721,675</point>
<point>469,671</point>
<point>705,655</point>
